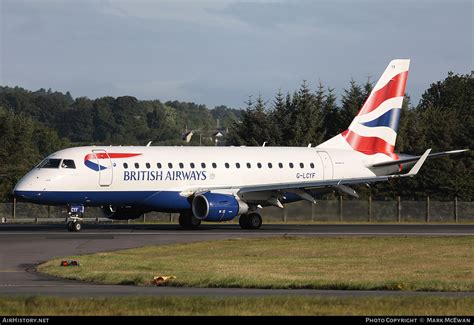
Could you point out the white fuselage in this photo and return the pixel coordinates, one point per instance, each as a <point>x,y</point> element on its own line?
<point>131,175</point>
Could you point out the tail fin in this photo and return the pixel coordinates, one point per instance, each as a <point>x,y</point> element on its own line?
<point>374,129</point>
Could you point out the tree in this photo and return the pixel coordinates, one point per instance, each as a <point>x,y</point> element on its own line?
<point>104,121</point>
<point>225,115</point>
<point>306,118</point>
<point>352,101</point>
<point>331,116</point>
<point>280,119</point>
<point>447,112</point>
<point>78,120</point>
<point>255,126</point>
<point>23,143</point>
<point>163,124</point>
<point>239,131</point>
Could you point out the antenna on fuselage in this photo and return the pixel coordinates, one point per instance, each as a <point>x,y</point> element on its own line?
<point>149,143</point>
<point>264,143</point>
<point>309,145</point>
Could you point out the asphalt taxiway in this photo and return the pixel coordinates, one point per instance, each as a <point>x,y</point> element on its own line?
<point>22,247</point>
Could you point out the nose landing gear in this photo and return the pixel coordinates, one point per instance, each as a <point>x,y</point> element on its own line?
<point>74,225</point>
<point>74,221</point>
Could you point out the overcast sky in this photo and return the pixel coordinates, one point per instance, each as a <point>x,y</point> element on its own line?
<point>220,52</point>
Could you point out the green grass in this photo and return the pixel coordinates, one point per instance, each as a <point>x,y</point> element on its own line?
<point>432,306</point>
<point>354,263</point>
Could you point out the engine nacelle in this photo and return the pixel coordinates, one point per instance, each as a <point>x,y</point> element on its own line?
<point>122,212</point>
<point>217,207</point>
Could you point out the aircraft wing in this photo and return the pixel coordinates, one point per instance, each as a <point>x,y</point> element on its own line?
<point>300,188</point>
<point>414,158</point>
<point>335,182</point>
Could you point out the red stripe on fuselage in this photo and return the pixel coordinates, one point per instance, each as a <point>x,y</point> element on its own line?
<point>394,88</point>
<point>103,155</point>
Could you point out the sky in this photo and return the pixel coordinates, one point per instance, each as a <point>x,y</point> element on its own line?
<point>221,52</point>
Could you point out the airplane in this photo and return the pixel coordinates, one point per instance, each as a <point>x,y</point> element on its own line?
<point>216,184</point>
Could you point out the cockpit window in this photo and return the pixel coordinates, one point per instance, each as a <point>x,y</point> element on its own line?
<point>50,163</point>
<point>68,163</point>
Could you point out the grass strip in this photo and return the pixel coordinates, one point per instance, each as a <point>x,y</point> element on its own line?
<point>351,263</point>
<point>288,305</point>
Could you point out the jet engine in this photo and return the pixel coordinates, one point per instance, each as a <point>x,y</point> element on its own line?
<point>217,207</point>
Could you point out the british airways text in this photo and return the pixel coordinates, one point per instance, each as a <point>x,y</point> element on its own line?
<point>159,175</point>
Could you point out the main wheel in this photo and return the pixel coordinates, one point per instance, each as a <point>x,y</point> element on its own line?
<point>188,221</point>
<point>254,221</point>
<point>76,226</point>
<point>69,226</point>
<point>243,221</point>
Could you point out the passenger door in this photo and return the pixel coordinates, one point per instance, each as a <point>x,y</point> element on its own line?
<point>105,167</point>
<point>327,164</point>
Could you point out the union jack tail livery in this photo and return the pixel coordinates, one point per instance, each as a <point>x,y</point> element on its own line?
<point>374,129</point>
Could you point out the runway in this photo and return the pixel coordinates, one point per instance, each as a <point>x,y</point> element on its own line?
<point>25,246</point>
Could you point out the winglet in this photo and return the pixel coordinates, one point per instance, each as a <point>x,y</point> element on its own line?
<point>415,169</point>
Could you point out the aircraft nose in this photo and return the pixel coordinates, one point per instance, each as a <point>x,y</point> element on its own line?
<point>22,189</point>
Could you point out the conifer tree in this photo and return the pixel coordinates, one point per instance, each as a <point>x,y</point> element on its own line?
<point>352,101</point>
<point>331,116</point>
<point>280,117</point>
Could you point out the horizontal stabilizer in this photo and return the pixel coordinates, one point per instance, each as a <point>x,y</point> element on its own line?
<point>418,164</point>
<point>415,158</point>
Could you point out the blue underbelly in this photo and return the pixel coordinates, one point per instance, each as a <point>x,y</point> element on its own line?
<point>162,201</point>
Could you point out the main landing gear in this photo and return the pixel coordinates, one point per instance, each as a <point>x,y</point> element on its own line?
<point>189,221</point>
<point>246,221</point>
<point>74,221</point>
<point>250,221</point>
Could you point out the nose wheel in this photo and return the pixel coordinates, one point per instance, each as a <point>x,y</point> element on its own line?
<point>74,226</point>
<point>74,221</point>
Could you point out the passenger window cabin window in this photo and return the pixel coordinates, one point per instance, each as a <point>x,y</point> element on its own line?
<point>280,165</point>
<point>158,165</point>
<point>170,165</point>
<point>301,165</point>
<point>148,165</point>
<point>203,165</point>
<point>311,165</point>
<point>226,165</point>
<point>291,165</point>
<point>125,165</point>
<point>181,165</point>
<point>270,165</point>
<point>68,163</point>
<point>248,165</point>
<point>259,165</point>
<point>191,165</point>
<point>137,165</point>
<point>237,165</point>
<point>214,165</point>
